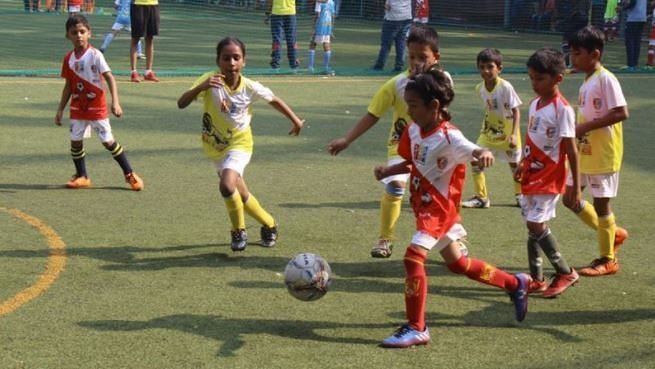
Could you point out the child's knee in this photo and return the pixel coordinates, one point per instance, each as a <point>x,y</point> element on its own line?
<point>459,266</point>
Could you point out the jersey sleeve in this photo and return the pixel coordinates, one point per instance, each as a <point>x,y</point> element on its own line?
<point>463,148</point>
<point>261,92</point>
<point>101,62</point>
<point>197,83</point>
<point>513,100</point>
<point>613,93</point>
<point>567,122</point>
<point>64,67</point>
<point>383,99</point>
<point>404,146</point>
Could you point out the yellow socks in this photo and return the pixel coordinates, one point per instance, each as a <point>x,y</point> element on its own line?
<point>389,214</point>
<point>588,215</point>
<point>234,207</point>
<point>480,184</point>
<point>255,210</point>
<point>517,188</point>
<point>606,232</point>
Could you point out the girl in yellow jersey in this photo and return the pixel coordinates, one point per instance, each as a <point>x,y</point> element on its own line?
<point>227,138</point>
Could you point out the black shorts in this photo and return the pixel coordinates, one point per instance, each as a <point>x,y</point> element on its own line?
<point>145,20</point>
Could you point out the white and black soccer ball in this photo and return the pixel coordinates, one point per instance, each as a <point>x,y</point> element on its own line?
<point>307,277</point>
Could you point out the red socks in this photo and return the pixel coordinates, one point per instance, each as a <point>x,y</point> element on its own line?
<point>416,288</point>
<point>482,272</point>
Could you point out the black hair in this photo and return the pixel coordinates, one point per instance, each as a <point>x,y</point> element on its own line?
<point>424,34</point>
<point>547,60</point>
<point>230,40</point>
<point>490,55</point>
<point>75,20</point>
<point>588,38</point>
<point>431,85</point>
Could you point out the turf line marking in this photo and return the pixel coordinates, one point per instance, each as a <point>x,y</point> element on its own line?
<point>54,267</point>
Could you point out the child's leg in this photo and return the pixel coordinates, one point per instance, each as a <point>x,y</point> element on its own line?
<point>327,55</point>
<point>312,55</point>
<point>232,198</point>
<point>118,154</point>
<point>535,262</point>
<point>606,227</point>
<point>544,237</point>
<point>139,48</point>
<point>479,181</point>
<point>390,206</point>
<point>477,269</point>
<point>78,153</point>
<point>251,206</point>
<point>517,185</point>
<point>108,39</point>
<point>416,286</point>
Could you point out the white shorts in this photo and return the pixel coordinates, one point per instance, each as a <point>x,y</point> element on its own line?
<point>235,160</point>
<point>117,26</point>
<point>423,20</point>
<point>538,208</point>
<point>428,242</point>
<point>81,129</point>
<point>73,8</point>
<point>398,177</point>
<point>322,39</point>
<point>601,185</point>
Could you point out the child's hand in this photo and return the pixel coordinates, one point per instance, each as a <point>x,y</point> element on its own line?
<point>58,116</point>
<point>337,145</point>
<point>215,81</point>
<point>512,140</point>
<point>116,110</point>
<point>379,172</point>
<point>485,159</point>
<point>297,126</point>
<point>573,197</point>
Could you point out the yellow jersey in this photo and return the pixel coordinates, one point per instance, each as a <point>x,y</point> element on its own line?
<point>600,150</point>
<point>498,116</point>
<point>284,7</point>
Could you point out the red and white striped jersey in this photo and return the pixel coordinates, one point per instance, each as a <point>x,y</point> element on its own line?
<point>439,160</point>
<point>85,75</point>
<point>543,168</point>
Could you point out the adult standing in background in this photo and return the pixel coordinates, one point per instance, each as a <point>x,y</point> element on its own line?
<point>144,16</point>
<point>283,19</point>
<point>395,27</point>
<point>634,24</point>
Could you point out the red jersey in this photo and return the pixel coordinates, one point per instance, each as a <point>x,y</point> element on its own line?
<point>422,9</point>
<point>439,159</point>
<point>543,168</point>
<point>75,2</point>
<point>85,75</point>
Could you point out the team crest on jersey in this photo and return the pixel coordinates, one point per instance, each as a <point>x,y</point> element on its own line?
<point>550,132</point>
<point>398,128</point>
<point>211,136</point>
<point>94,69</point>
<point>416,183</point>
<point>506,106</point>
<point>420,154</point>
<point>533,125</point>
<point>78,66</point>
<point>492,104</point>
<point>598,103</point>
<point>442,162</point>
<point>80,86</point>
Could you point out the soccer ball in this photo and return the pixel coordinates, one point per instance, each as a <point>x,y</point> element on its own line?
<point>307,277</point>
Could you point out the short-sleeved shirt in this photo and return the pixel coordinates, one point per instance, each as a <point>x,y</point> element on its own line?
<point>422,9</point>
<point>439,159</point>
<point>392,95</point>
<point>85,76</point>
<point>498,117</point>
<point>325,11</point>
<point>284,7</point>
<point>227,114</point>
<point>398,10</point>
<point>123,11</point>
<point>600,150</point>
<point>610,9</point>
<point>146,2</point>
<point>543,167</point>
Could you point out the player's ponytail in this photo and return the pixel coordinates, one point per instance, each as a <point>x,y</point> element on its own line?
<point>431,85</point>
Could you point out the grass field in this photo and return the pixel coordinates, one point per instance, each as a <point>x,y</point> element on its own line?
<point>149,280</point>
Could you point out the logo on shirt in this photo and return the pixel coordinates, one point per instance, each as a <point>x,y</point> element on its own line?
<point>78,66</point>
<point>420,154</point>
<point>533,125</point>
<point>442,162</point>
<point>598,103</point>
<point>551,132</point>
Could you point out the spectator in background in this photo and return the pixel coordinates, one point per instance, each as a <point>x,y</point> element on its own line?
<point>422,11</point>
<point>578,19</point>
<point>543,18</point>
<point>634,24</point>
<point>32,6</point>
<point>395,27</point>
<point>144,17</point>
<point>337,6</point>
<point>282,15</point>
<point>611,20</point>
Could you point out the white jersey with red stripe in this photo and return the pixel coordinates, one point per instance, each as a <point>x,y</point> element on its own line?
<point>543,168</point>
<point>439,159</point>
<point>85,75</point>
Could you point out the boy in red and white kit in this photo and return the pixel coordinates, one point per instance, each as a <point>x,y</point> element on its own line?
<point>422,11</point>
<point>549,143</point>
<point>436,153</point>
<point>83,69</point>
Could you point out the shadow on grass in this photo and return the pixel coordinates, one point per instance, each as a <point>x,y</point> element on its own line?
<point>346,205</point>
<point>232,331</point>
<point>13,187</point>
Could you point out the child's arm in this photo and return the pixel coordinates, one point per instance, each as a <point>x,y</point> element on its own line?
<point>382,171</point>
<point>113,90</point>
<point>63,101</point>
<point>341,143</point>
<point>283,108</point>
<point>516,119</point>
<point>618,114</point>
<point>483,157</point>
<point>572,154</point>
<point>190,95</point>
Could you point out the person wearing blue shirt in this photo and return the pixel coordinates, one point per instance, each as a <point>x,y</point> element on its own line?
<point>323,23</point>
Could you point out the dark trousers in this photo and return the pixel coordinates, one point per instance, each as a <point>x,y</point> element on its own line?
<point>633,42</point>
<point>284,24</point>
<point>393,32</point>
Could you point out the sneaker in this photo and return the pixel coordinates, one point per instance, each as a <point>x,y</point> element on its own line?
<point>382,249</point>
<point>620,236</point>
<point>537,286</point>
<point>141,56</point>
<point>520,296</point>
<point>560,283</point>
<point>406,336</point>
<point>269,236</point>
<point>476,202</point>
<point>78,182</point>
<point>600,266</point>
<point>328,72</point>
<point>135,182</point>
<point>239,240</point>
<point>134,77</point>
<point>150,76</point>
